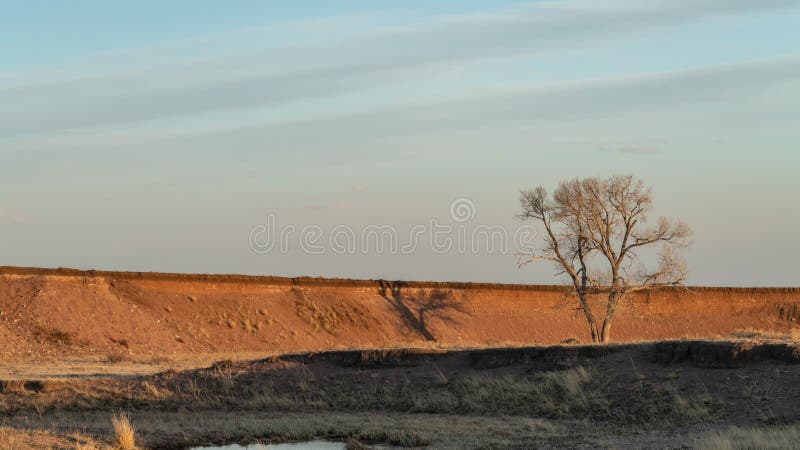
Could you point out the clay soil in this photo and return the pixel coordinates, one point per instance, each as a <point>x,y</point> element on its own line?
<point>145,322</point>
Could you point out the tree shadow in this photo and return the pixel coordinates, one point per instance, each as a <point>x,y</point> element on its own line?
<point>417,310</point>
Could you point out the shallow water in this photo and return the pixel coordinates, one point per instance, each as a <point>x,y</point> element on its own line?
<point>310,445</point>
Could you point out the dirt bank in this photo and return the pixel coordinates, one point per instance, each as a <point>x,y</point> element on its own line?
<point>62,313</point>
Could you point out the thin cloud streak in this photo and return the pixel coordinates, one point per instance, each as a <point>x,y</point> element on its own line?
<point>503,105</point>
<point>319,70</point>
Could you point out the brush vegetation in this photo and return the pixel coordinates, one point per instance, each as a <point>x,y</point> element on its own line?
<point>759,438</point>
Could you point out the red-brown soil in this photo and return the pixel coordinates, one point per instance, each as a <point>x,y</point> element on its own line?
<point>58,313</point>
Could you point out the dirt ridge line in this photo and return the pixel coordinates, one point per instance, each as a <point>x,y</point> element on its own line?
<point>333,282</point>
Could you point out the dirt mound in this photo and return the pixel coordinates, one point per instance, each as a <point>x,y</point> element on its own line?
<point>57,313</point>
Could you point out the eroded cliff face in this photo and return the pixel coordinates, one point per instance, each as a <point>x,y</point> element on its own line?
<point>62,312</point>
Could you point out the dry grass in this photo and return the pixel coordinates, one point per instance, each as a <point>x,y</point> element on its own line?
<point>765,335</point>
<point>168,429</point>
<point>771,438</point>
<point>439,387</point>
<point>483,398</point>
<point>31,439</point>
<point>124,431</point>
<point>7,438</point>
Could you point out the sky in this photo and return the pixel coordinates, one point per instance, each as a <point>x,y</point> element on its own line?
<point>177,136</point>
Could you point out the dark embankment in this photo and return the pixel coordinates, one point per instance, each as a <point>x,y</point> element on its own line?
<point>661,395</point>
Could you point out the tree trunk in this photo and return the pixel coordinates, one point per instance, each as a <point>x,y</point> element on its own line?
<point>595,333</point>
<point>593,329</point>
<point>587,312</point>
<point>614,297</point>
<point>606,333</point>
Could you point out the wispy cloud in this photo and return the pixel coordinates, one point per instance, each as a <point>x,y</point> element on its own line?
<point>319,69</point>
<point>533,105</point>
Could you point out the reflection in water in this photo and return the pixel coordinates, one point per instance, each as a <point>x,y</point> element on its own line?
<point>310,445</point>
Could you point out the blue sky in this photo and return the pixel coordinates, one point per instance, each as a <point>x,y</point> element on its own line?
<point>156,135</point>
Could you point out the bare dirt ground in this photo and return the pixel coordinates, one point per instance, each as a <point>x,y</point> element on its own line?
<point>63,321</point>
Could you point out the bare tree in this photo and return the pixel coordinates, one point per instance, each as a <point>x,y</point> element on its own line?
<point>594,231</point>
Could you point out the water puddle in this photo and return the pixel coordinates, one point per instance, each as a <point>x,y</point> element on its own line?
<point>309,445</point>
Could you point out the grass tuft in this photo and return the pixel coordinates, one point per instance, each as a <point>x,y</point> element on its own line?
<point>124,432</point>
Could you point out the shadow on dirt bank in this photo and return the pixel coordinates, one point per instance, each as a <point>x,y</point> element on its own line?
<point>417,310</point>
